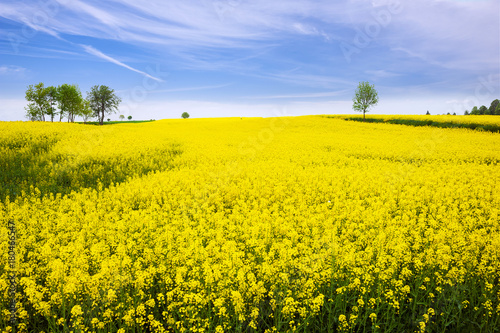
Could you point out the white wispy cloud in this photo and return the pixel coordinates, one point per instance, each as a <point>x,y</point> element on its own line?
<point>102,16</point>
<point>309,95</point>
<point>201,22</point>
<point>217,86</point>
<point>91,50</point>
<point>312,80</point>
<point>381,73</point>
<point>10,69</point>
<point>194,88</point>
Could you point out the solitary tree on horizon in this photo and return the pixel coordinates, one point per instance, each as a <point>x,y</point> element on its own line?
<point>185,115</point>
<point>365,97</point>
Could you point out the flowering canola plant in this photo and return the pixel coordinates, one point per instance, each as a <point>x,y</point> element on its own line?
<point>249,225</point>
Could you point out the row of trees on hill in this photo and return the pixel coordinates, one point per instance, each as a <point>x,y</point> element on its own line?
<point>66,101</point>
<point>493,110</point>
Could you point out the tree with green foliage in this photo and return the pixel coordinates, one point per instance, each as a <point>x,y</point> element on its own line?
<point>185,115</point>
<point>483,110</point>
<point>122,117</point>
<point>86,111</point>
<point>39,104</point>
<point>129,117</point>
<point>428,113</point>
<point>365,97</point>
<point>466,113</point>
<point>70,101</point>
<point>103,101</point>
<point>52,97</point>
<point>493,110</point>
<point>493,107</point>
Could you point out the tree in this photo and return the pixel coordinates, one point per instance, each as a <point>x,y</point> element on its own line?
<point>129,117</point>
<point>121,117</point>
<point>52,97</point>
<point>86,110</point>
<point>103,101</point>
<point>497,110</point>
<point>185,115</point>
<point>70,101</point>
<point>365,97</point>
<point>493,106</point>
<point>428,113</point>
<point>483,110</point>
<point>474,111</point>
<point>466,113</point>
<point>38,105</point>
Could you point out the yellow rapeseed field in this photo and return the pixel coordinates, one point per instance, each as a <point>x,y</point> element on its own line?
<point>306,224</point>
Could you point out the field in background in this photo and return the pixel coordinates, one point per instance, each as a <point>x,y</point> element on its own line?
<point>114,122</point>
<point>479,123</point>
<point>240,225</point>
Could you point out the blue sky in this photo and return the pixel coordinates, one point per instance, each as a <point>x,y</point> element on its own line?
<point>216,58</point>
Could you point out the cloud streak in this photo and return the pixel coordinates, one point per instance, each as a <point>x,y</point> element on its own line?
<point>300,96</point>
<point>4,70</point>
<point>91,50</point>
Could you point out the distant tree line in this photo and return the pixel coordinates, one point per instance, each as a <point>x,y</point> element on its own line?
<point>66,101</point>
<point>447,114</point>
<point>493,110</point>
